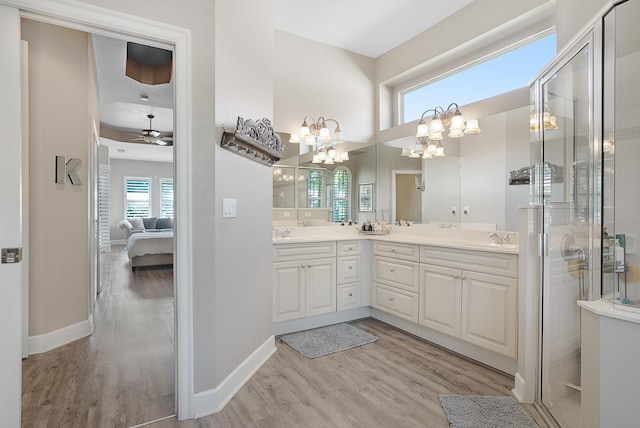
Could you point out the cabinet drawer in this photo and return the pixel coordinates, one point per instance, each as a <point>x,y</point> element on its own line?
<point>349,269</point>
<point>478,261</point>
<point>349,296</point>
<point>396,250</point>
<point>396,273</point>
<point>400,303</point>
<point>349,248</point>
<point>315,250</point>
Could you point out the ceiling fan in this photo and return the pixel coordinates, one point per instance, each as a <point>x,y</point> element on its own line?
<point>151,136</point>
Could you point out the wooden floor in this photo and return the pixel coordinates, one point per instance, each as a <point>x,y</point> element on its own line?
<point>123,374</point>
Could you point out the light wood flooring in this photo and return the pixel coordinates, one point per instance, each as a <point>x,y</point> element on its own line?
<point>123,374</point>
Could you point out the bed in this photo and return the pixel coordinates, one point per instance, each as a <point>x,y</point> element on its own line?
<point>147,245</point>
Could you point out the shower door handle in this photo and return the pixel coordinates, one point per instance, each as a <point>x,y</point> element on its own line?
<point>543,245</point>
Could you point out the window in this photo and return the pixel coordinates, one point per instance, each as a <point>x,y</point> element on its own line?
<point>341,194</point>
<point>314,189</point>
<point>500,74</point>
<point>166,197</point>
<point>137,197</point>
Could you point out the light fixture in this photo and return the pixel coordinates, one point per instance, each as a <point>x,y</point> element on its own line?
<point>316,133</point>
<point>430,135</point>
<point>548,121</point>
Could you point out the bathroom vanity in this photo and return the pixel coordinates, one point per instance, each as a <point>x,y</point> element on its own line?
<point>455,288</point>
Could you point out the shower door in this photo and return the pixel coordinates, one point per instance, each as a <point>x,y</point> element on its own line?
<point>564,185</point>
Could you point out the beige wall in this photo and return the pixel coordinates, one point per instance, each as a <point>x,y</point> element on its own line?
<point>61,101</point>
<point>408,198</point>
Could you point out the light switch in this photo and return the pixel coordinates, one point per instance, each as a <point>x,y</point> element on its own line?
<point>466,210</point>
<point>228,208</point>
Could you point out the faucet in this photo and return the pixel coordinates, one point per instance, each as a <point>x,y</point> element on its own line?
<point>286,233</point>
<point>497,239</point>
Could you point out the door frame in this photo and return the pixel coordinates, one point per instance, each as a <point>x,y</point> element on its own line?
<point>394,173</point>
<point>97,20</point>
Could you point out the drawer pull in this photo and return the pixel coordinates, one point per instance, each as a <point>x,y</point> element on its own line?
<point>393,250</point>
<point>391,270</point>
<point>350,248</point>
<point>350,294</point>
<point>308,266</point>
<point>350,267</point>
<point>456,276</point>
<point>464,277</point>
<point>390,299</point>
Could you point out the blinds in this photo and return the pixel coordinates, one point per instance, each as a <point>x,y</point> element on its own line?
<point>341,195</point>
<point>104,232</point>
<point>166,198</point>
<point>137,197</point>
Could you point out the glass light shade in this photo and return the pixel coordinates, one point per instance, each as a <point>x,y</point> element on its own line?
<point>436,136</point>
<point>316,159</point>
<point>427,155</point>
<point>436,126</point>
<point>457,122</point>
<point>332,153</point>
<point>455,133</point>
<point>322,155</point>
<point>310,141</point>
<point>533,122</point>
<point>414,155</point>
<point>304,130</point>
<point>344,156</point>
<point>431,148</point>
<point>472,127</point>
<point>439,151</point>
<point>294,138</point>
<point>418,148</point>
<point>338,158</point>
<point>328,161</point>
<point>325,134</point>
<point>405,152</point>
<point>423,130</point>
<point>277,171</point>
<point>337,136</point>
<point>608,147</point>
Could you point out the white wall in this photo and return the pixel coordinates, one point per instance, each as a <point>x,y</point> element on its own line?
<point>315,79</point>
<point>121,168</point>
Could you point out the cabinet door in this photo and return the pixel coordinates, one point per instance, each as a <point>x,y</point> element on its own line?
<point>440,299</point>
<point>320,286</point>
<point>489,312</point>
<point>288,291</point>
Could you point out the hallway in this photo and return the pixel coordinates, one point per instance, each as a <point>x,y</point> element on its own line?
<point>123,374</point>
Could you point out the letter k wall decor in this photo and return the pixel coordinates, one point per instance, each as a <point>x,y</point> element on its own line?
<point>68,169</point>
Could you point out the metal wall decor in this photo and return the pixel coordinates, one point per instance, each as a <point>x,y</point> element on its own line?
<point>256,140</point>
<point>68,170</point>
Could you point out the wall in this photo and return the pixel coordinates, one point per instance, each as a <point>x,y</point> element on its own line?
<point>315,79</point>
<point>572,16</point>
<point>130,168</point>
<point>59,115</point>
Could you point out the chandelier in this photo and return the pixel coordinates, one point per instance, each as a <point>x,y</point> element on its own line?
<point>429,135</point>
<point>316,133</point>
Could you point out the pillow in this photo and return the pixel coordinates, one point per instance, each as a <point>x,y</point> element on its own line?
<point>125,225</point>
<point>149,222</point>
<point>136,223</point>
<point>164,223</point>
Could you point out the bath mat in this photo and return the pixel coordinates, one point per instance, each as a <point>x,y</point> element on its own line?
<point>480,411</point>
<point>322,341</point>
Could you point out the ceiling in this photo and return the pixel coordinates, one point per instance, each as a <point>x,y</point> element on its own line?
<point>367,27</point>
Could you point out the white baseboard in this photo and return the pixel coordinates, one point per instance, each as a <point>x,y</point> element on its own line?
<point>118,242</point>
<point>212,401</point>
<point>284,327</point>
<point>54,339</point>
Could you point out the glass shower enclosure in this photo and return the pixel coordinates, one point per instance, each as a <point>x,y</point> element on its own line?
<point>586,145</point>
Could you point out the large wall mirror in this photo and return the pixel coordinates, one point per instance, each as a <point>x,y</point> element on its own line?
<point>470,186</point>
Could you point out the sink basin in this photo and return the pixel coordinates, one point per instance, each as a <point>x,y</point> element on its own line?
<point>487,245</point>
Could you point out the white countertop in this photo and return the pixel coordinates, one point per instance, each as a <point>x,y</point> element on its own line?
<point>465,240</point>
<point>605,308</point>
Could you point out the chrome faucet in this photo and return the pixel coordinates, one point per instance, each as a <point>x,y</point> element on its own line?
<point>286,233</point>
<point>497,239</point>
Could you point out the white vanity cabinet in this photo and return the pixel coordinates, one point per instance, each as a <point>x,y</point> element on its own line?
<point>349,275</point>
<point>471,295</point>
<point>396,279</point>
<point>304,280</point>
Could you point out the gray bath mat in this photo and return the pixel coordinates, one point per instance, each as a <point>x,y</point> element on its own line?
<point>327,340</point>
<point>479,411</point>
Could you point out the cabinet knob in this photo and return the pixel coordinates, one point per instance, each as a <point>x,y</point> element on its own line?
<point>350,248</point>
<point>308,266</point>
<point>302,266</point>
<point>350,267</point>
<point>390,298</point>
<point>456,276</point>
<point>350,294</point>
<point>391,270</point>
<point>464,277</point>
<point>393,250</point>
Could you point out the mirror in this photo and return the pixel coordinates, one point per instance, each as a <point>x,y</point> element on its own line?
<point>469,185</point>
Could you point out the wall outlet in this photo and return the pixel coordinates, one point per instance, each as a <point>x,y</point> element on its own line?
<point>465,210</point>
<point>454,210</point>
<point>229,208</point>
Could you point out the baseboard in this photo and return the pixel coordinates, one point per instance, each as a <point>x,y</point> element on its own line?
<point>212,401</point>
<point>118,242</point>
<point>54,339</point>
<point>519,390</point>
<point>284,327</point>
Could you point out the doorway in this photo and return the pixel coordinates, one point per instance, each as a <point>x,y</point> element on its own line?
<point>85,17</point>
<point>406,198</point>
